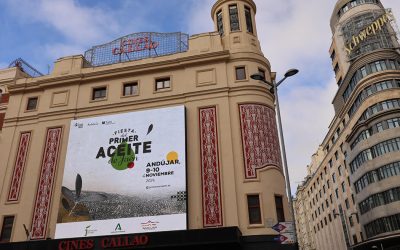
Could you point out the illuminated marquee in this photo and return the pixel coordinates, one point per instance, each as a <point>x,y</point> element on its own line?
<point>370,30</point>
<point>134,45</point>
<point>137,46</point>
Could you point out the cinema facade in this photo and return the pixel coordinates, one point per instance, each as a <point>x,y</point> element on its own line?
<point>150,141</point>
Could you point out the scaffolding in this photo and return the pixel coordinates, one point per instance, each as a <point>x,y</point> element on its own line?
<point>25,67</point>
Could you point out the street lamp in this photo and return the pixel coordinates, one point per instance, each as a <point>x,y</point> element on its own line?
<point>274,89</point>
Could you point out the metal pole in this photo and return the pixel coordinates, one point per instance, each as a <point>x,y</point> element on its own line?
<point>285,165</point>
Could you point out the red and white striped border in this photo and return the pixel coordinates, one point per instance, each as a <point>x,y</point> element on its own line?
<point>19,167</point>
<point>210,169</point>
<point>46,182</point>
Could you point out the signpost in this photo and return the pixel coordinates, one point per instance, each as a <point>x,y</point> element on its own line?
<point>286,232</point>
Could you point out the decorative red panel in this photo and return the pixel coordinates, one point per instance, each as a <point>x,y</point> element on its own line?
<point>19,167</point>
<point>4,98</point>
<point>46,181</point>
<point>2,115</point>
<point>259,138</point>
<point>210,170</point>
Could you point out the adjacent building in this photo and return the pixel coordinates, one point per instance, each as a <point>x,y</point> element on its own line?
<point>352,191</point>
<point>178,115</point>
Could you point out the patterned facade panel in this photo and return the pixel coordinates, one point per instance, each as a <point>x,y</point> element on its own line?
<point>19,167</point>
<point>210,169</point>
<point>46,181</point>
<point>259,138</point>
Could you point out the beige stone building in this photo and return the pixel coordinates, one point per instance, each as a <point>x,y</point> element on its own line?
<point>352,194</point>
<point>235,183</point>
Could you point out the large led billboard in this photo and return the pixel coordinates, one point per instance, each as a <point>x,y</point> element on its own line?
<point>124,173</point>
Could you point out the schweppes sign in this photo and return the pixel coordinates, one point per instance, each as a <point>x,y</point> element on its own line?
<point>371,29</point>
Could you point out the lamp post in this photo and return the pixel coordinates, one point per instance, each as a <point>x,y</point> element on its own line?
<point>274,89</point>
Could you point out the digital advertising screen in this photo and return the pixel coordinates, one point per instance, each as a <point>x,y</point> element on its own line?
<point>124,173</point>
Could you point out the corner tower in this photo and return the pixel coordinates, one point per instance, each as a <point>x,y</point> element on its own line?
<point>235,22</point>
<point>366,62</point>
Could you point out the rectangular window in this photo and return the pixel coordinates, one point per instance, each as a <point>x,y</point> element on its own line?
<point>234,17</point>
<point>347,203</point>
<point>334,178</point>
<point>340,170</point>
<point>280,215</point>
<point>249,22</point>
<point>333,55</point>
<point>351,221</point>
<point>130,89</point>
<point>2,115</point>
<point>32,103</point>
<point>240,73</point>
<point>336,69</point>
<point>220,24</point>
<point>99,93</point>
<point>337,193</point>
<point>343,187</point>
<point>262,73</point>
<point>253,204</point>
<point>163,83</point>
<point>6,229</point>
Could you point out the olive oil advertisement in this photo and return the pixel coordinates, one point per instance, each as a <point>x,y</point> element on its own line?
<point>124,173</point>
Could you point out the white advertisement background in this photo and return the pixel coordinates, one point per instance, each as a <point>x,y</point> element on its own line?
<point>168,135</point>
<point>127,226</point>
<point>88,135</point>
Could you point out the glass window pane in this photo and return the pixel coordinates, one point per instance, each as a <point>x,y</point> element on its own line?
<point>240,73</point>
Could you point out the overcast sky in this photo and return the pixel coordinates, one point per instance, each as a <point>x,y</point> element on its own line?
<point>293,34</point>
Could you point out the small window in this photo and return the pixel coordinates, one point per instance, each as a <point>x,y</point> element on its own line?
<point>32,103</point>
<point>6,229</point>
<point>262,73</point>
<point>333,55</point>
<point>130,89</point>
<point>280,214</point>
<point>253,204</point>
<point>347,203</point>
<point>249,22</point>
<point>99,93</point>
<point>234,17</point>
<point>336,69</point>
<point>220,24</point>
<point>240,73</point>
<point>351,222</point>
<point>163,83</point>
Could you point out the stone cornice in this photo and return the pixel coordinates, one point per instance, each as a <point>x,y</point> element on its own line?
<point>26,85</point>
